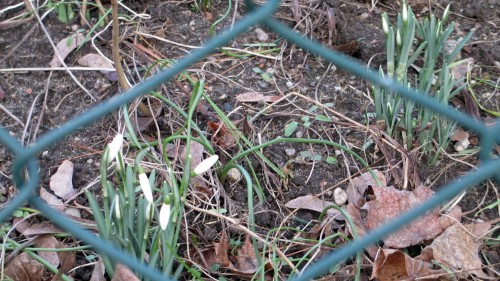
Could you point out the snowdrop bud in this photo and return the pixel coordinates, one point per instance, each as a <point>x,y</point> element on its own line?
<point>385,24</point>
<point>118,213</point>
<point>114,147</point>
<point>149,211</point>
<point>145,186</point>
<point>405,12</point>
<point>446,12</point>
<point>164,215</point>
<point>205,165</point>
<point>398,38</point>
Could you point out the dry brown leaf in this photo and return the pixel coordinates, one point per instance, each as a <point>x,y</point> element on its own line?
<point>392,265</point>
<point>196,152</point>
<point>358,185</point>
<point>246,261</point>
<point>457,249</point>
<point>355,216</point>
<point>41,228</point>
<point>51,199</point>
<point>98,272</point>
<point>459,135</point>
<point>61,183</point>
<point>95,60</point>
<point>390,203</point>
<point>221,134</point>
<point>123,273</point>
<point>256,97</point>
<point>48,242</point>
<point>65,47</point>
<point>24,268</point>
<point>218,256</point>
<point>459,71</point>
<point>20,224</point>
<point>310,202</point>
<point>67,259</point>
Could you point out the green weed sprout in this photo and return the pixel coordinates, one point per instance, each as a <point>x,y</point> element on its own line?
<point>411,42</point>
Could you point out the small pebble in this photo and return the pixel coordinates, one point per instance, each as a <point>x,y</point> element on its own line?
<point>290,152</point>
<point>338,152</point>
<point>262,84</point>
<point>90,161</point>
<point>289,84</point>
<point>261,35</point>
<point>233,175</point>
<point>299,134</point>
<point>363,16</point>
<point>339,196</point>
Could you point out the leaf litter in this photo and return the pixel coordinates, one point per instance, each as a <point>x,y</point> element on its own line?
<point>388,203</point>
<point>24,268</point>
<point>61,183</point>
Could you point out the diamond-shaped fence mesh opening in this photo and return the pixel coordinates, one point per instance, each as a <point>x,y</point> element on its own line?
<point>25,158</point>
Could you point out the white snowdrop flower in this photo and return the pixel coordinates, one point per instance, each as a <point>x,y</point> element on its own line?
<point>398,38</point>
<point>145,186</point>
<point>385,25</point>
<point>149,211</point>
<point>446,12</point>
<point>405,12</point>
<point>205,165</point>
<point>164,215</point>
<point>118,213</point>
<point>114,147</point>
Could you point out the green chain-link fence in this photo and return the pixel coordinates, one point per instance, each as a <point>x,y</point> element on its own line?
<point>25,162</point>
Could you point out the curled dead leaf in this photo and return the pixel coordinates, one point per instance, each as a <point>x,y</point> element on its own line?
<point>221,134</point>
<point>61,183</point>
<point>65,47</point>
<point>313,203</point>
<point>47,242</point>
<point>457,249</point>
<point>24,268</point>
<point>392,265</point>
<point>390,203</point>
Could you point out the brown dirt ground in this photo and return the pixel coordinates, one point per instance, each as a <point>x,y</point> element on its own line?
<point>310,75</point>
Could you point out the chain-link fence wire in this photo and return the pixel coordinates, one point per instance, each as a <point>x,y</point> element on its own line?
<point>25,167</point>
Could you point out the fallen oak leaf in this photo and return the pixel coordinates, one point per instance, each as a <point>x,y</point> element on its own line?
<point>393,264</point>
<point>65,47</point>
<point>61,183</point>
<point>457,248</point>
<point>41,228</point>
<point>24,268</point>
<point>390,202</point>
